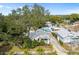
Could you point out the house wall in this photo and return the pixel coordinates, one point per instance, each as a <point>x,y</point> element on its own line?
<point>42,37</point>
<point>63,40</point>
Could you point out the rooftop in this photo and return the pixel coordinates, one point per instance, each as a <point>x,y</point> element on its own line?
<point>40,32</point>
<point>74,27</point>
<point>68,36</point>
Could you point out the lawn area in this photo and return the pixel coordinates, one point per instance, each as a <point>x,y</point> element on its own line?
<point>1,43</point>
<point>16,49</point>
<point>73,53</point>
<point>48,49</point>
<point>64,45</point>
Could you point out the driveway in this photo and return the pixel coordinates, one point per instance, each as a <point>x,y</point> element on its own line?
<point>59,49</point>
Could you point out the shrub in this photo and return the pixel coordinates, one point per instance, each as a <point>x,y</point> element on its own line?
<point>26,52</point>
<point>5,48</point>
<point>54,35</point>
<point>41,43</point>
<point>40,51</point>
<point>35,43</point>
<point>27,43</point>
<point>73,53</point>
<point>60,42</point>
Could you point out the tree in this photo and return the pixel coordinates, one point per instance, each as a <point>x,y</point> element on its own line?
<point>71,18</point>
<point>27,43</point>
<point>56,19</point>
<point>20,20</point>
<point>1,22</point>
<point>39,15</point>
<point>19,11</point>
<point>25,10</point>
<point>74,17</point>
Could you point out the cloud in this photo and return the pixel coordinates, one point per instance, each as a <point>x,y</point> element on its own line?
<point>65,11</point>
<point>21,7</point>
<point>72,11</point>
<point>7,7</point>
<point>2,6</point>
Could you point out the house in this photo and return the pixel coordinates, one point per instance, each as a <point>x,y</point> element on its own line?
<point>41,34</point>
<point>77,23</point>
<point>74,27</point>
<point>67,36</point>
<point>49,24</point>
<point>52,26</point>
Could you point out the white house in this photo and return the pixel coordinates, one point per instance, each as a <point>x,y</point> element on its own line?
<point>52,26</point>
<point>68,37</point>
<point>49,24</point>
<point>41,34</point>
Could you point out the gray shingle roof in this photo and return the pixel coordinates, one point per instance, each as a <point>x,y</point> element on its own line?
<point>40,32</point>
<point>67,36</point>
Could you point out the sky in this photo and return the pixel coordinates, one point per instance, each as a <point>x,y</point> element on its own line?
<point>54,8</point>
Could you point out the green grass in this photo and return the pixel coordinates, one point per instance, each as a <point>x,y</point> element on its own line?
<point>16,49</point>
<point>38,50</point>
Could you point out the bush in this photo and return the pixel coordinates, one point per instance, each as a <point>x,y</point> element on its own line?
<point>41,43</point>
<point>35,43</point>
<point>26,52</point>
<point>73,53</point>
<point>60,42</point>
<point>5,48</point>
<point>40,51</point>
<point>54,35</point>
<point>27,43</point>
<point>4,36</point>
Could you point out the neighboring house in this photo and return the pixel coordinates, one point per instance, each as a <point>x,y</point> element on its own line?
<point>75,26</point>
<point>49,24</point>
<point>67,36</point>
<point>77,22</point>
<point>52,26</point>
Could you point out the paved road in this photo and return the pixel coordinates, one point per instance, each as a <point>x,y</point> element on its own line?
<point>59,49</point>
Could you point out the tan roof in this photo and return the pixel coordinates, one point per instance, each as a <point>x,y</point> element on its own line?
<point>77,22</point>
<point>74,27</point>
